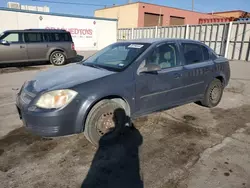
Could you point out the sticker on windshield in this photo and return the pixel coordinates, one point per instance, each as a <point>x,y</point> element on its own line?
<point>121,65</point>
<point>135,46</point>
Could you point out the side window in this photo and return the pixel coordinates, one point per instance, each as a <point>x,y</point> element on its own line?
<point>192,53</point>
<point>47,37</point>
<point>56,37</point>
<point>33,37</point>
<point>12,38</point>
<point>165,56</point>
<point>205,53</point>
<point>63,37</point>
<point>213,56</point>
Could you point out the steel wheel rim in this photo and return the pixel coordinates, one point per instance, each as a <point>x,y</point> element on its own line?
<point>58,58</point>
<point>215,94</point>
<point>105,123</point>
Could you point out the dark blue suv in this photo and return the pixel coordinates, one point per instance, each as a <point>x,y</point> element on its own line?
<point>141,77</point>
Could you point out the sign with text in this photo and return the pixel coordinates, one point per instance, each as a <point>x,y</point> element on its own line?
<point>83,31</point>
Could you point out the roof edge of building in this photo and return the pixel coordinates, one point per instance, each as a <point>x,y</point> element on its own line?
<point>56,14</point>
<point>226,11</point>
<point>115,6</point>
<point>140,2</point>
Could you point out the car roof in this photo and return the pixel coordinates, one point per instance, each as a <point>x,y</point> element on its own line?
<point>159,40</point>
<point>36,30</point>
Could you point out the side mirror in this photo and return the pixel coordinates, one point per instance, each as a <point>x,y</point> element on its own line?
<point>220,55</point>
<point>4,42</point>
<point>150,67</point>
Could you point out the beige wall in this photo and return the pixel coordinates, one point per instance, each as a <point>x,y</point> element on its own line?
<point>127,15</point>
<point>229,14</point>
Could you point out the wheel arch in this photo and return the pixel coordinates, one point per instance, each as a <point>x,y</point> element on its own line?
<point>116,98</point>
<point>55,49</point>
<point>222,79</point>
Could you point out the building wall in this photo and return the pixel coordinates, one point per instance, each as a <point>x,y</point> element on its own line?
<point>87,33</point>
<point>127,15</point>
<point>190,16</point>
<point>235,14</point>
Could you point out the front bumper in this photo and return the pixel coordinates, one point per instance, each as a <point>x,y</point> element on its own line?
<point>50,123</point>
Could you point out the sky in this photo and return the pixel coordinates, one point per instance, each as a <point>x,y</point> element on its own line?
<point>84,10</point>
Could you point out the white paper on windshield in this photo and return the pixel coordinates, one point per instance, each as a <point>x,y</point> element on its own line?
<point>135,46</point>
<point>121,65</point>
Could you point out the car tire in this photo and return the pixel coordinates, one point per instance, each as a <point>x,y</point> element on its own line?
<point>101,115</point>
<point>57,58</point>
<point>213,94</point>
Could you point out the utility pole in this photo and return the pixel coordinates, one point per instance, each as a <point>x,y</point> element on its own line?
<point>160,18</point>
<point>192,5</point>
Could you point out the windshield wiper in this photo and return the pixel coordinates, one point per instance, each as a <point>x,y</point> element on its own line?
<point>92,65</point>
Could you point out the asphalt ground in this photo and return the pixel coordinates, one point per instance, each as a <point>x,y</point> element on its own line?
<point>188,146</point>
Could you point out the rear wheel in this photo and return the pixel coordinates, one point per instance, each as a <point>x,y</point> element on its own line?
<point>213,94</point>
<point>100,120</point>
<point>57,58</point>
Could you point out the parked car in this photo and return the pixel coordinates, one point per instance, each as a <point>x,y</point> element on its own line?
<point>141,77</point>
<point>33,45</point>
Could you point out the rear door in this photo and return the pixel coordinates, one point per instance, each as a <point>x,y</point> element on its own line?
<point>156,91</point>
<point>37,48</point>
<point>15,50</point>
<point>198,69</point>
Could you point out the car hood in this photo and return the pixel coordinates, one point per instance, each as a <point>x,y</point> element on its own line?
<point>67,76</point>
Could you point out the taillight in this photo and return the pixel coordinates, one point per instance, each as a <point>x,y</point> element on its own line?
<point>73,46</point>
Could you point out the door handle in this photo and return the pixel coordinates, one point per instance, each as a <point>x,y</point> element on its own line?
<point>22,46</point>
<point>177,75</point>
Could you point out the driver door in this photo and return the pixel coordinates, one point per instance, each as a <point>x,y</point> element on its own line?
<point>162,89</point>
<point>14,50</point>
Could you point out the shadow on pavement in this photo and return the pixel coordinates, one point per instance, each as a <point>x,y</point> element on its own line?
<point>116,162</point>
<point>78,58</point>
<point>30,64</point>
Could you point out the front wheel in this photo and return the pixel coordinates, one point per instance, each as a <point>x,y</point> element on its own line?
<point>57,58</point>
<point>100,120</point>
<point>213,94</point>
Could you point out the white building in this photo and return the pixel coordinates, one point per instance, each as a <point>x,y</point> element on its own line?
<point>88,33</point>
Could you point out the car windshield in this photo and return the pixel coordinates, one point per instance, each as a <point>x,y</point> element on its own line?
<point>116,57</point>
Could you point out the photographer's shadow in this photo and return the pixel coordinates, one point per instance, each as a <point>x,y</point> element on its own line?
<point>116,162</point>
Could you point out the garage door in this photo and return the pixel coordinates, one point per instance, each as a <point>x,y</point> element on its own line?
<point>177,20</point>
<point>152,20</point>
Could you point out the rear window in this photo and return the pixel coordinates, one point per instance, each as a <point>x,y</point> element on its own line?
<point>195,53</point>
<point>57,37</point>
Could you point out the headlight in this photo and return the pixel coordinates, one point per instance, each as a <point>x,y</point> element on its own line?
<point>56,99</point>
